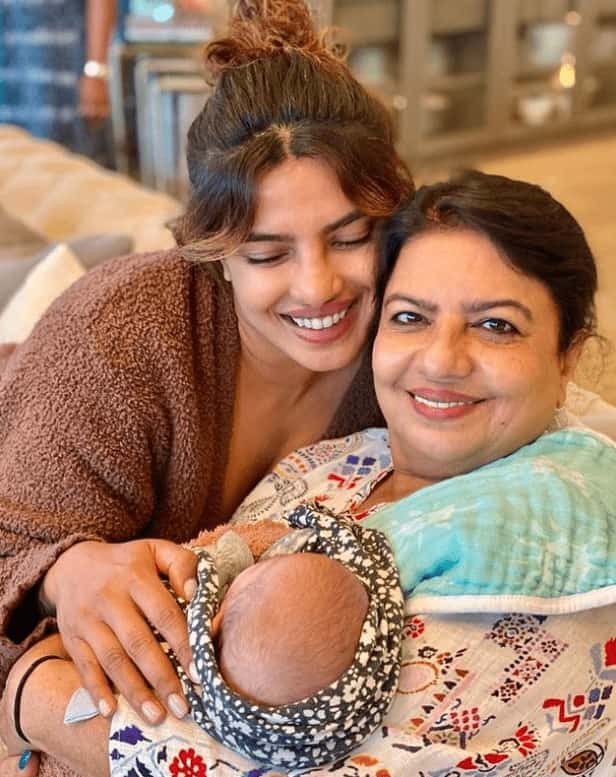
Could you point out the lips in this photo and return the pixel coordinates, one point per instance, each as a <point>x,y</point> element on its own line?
<point>441,395</point>
<point>329,309</point>
<point>323,329</point>
<point>438,405</point>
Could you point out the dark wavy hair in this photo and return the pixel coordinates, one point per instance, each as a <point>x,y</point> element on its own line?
<point>532,231</point>
<point>281,91</point>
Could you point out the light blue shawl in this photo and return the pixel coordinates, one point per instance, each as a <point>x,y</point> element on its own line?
<point>533,532</point>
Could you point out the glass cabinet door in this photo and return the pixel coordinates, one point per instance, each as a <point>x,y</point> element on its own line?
<point>180,21</point>
<point>600,82</point>
<point>373,29</point>
<point>545,67</point>
<point>454,91</point>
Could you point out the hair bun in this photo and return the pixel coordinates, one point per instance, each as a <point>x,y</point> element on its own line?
<point>265,28</point>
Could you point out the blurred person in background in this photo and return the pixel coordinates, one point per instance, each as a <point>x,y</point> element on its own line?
<point>53,71</point>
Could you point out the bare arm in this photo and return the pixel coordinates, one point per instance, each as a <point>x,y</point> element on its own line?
<point>46,693</point>
<point>93,91</point>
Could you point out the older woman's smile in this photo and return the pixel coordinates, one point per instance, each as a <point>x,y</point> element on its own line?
<point>442,405</point>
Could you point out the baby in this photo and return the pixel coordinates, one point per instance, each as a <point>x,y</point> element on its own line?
<point>300,661</point>
<point>288,627</point>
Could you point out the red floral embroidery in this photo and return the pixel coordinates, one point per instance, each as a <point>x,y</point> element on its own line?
<point>527,740</point>
<point>414,627</point>
<point>188,764</point>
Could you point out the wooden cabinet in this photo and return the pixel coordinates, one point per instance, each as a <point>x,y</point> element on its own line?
<point>459,76</point>
<point>472,75</point>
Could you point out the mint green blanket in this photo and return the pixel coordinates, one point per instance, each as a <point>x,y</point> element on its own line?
<point>535,531</point>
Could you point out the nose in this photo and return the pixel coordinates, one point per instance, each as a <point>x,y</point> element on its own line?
<point>446,353</point>
<point>316,278</point>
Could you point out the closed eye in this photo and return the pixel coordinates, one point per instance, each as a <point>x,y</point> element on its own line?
<point>265,259</point>
<point>359,241</point>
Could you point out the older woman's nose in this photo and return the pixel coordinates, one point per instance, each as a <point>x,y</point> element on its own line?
<point>446,353</point>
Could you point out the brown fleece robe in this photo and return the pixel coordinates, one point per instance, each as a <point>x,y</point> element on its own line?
<point>115,420</point>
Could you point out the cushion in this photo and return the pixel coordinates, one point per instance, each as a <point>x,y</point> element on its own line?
<point>16,263</point>
<point>17,239</point>
<point>46,281</point>
<point>592,410</point>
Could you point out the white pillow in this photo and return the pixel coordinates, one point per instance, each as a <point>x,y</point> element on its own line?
<point>51,276</point>
<point>592,410</point>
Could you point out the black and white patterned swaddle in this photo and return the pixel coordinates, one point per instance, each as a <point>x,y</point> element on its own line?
<point>326,726</point>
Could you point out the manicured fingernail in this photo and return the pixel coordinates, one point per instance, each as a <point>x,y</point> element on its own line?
<point>194,675</point>
<point>25,759</point>
<point>177,705</point>
<point>190,587</point>
<point>151,711</point>
<point>104,708</point>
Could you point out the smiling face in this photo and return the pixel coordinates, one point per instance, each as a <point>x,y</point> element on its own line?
<point>303,283</point>
<point>466,360</point>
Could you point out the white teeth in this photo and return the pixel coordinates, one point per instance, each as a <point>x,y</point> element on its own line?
<point>319,323</point>
<point>440,405</point>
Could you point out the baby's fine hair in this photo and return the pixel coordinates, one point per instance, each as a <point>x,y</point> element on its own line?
<point>294,631</point>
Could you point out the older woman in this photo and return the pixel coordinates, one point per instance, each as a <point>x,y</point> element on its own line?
<point>159,391</point>
<point>496,503</point>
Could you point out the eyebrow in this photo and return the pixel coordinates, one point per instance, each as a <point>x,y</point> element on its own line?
<point>481,306</point>
<point>266,237</point>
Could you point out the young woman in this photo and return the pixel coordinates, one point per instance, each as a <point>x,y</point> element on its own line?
<point>157,392</point>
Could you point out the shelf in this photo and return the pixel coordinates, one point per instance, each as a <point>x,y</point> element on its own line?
<point>536,72</point>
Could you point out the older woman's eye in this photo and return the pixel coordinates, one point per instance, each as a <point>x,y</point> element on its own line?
<point>498,326</point>
<point>406,317</point>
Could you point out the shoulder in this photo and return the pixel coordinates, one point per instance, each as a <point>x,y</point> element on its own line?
<point>135,304</point>
<point>135,320</point>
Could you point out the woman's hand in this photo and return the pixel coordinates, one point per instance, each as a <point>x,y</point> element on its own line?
<point>106,596</point>
<point>93,99</point>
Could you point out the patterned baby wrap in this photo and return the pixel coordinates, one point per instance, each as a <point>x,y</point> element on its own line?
<point>325,727</point>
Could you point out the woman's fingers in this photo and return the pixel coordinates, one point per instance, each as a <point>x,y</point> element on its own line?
<point>92,676</point>
<point>178,564</point>
<point>145,651</point>
<point>116,664</point>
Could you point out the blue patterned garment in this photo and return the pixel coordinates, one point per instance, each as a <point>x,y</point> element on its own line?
<point>42,53</point>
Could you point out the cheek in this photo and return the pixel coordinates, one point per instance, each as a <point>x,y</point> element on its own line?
<point>257,291</point>
<point>388,362</point>
<point>360,269</point>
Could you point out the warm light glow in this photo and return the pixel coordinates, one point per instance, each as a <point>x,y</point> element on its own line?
<point>566,75</point>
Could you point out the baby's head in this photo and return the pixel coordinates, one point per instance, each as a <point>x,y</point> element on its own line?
<point>288,627</point>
